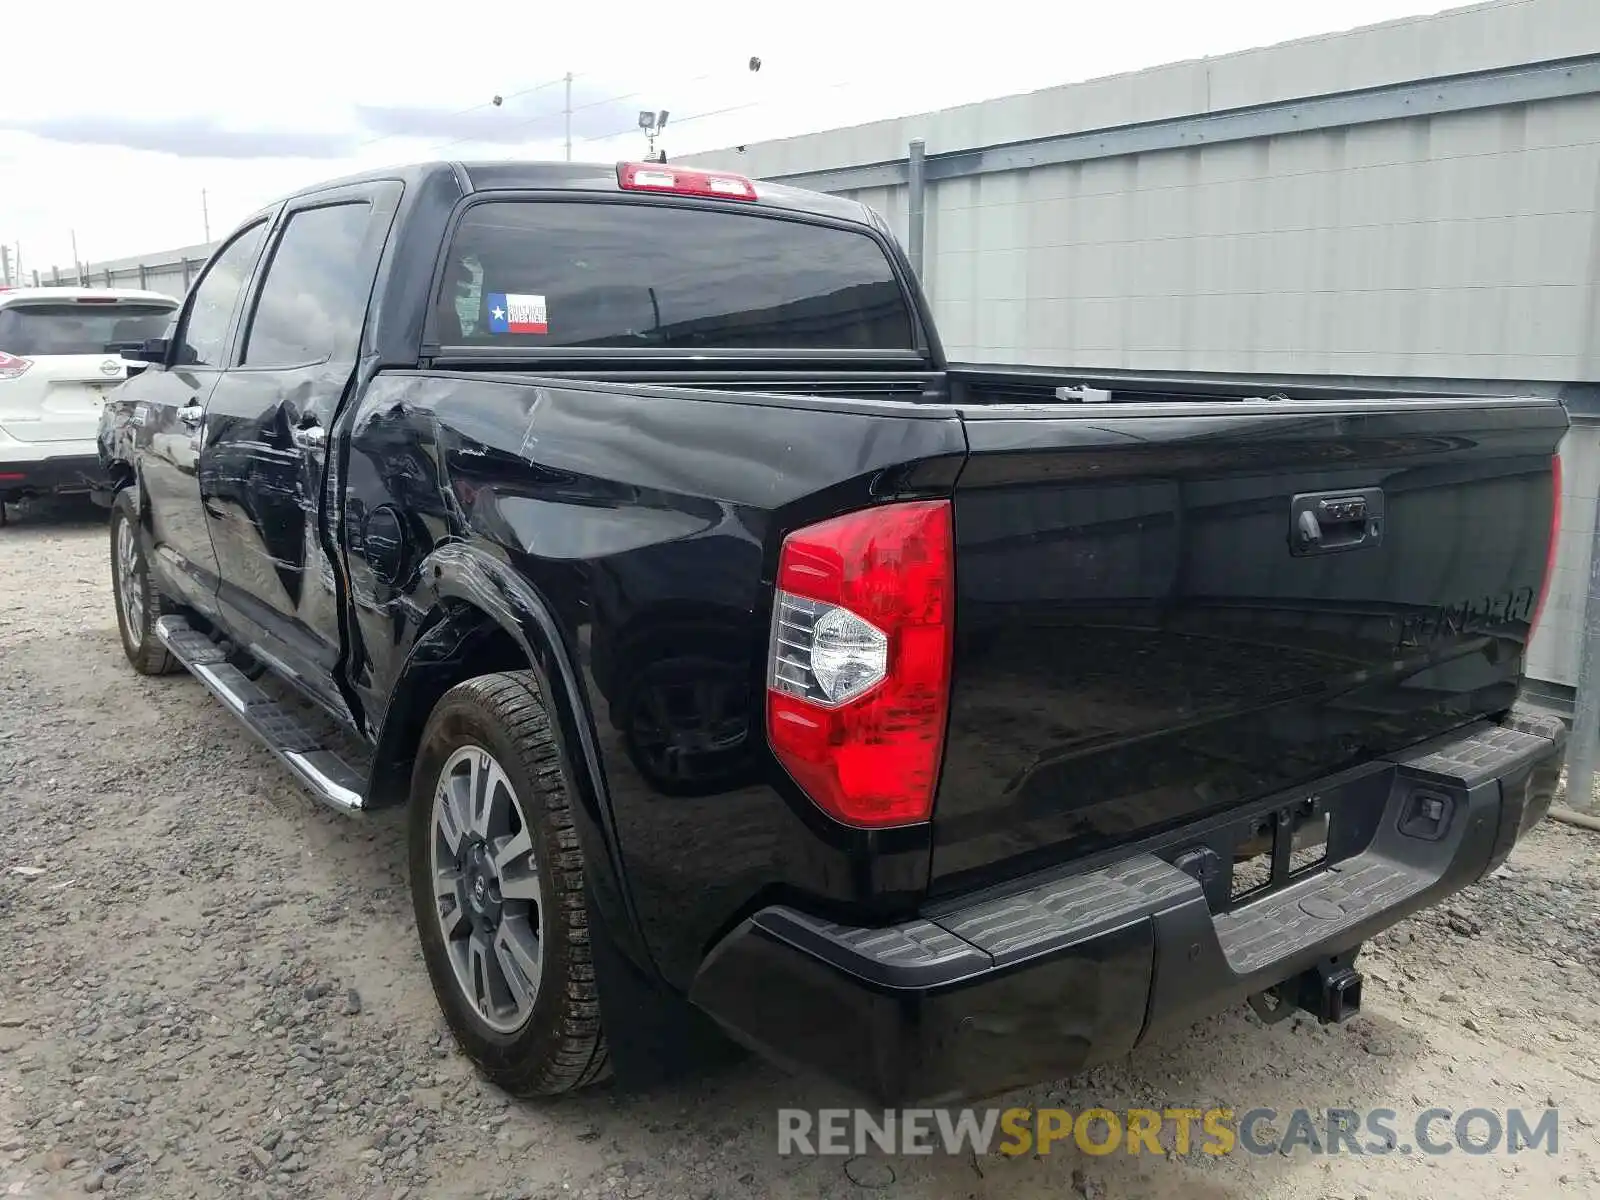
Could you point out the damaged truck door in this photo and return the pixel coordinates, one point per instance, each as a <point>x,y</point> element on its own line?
<point>265,458</point>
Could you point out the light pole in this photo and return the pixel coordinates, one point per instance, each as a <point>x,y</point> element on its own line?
<point>567,113</point>
<point>653,123</point>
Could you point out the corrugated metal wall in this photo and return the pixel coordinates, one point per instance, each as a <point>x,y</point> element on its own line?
<point>1455,246</point>
<point>1455,42</point>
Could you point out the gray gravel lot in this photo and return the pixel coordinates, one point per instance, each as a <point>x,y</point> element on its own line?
<point>210,987</point>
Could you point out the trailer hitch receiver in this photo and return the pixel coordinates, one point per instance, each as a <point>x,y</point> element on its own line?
<point>1329,991</point>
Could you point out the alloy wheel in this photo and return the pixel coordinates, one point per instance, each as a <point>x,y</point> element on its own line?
<point>487,888</point>
<point>130,579</point>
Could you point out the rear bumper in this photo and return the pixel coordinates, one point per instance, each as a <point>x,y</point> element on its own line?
<point>47,476</point>
<point>1004,989</point>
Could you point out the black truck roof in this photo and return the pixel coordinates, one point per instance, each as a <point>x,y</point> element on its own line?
<point>513,175</point>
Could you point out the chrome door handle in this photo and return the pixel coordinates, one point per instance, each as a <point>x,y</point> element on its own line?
<point>310,437</point>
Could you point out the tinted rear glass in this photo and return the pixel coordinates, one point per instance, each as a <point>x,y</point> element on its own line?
<point>31,330</point>
<point>525,273</point>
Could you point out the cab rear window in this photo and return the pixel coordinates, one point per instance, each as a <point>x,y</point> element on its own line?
<point>35,329</point>
<point>528,273</point>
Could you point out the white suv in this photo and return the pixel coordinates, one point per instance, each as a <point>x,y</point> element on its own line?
<point>58,359</point>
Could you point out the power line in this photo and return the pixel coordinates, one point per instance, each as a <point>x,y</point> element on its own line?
<point>571,109</point>
<point>809,90</point>
<point>577,109</point>
<point>528,91</point>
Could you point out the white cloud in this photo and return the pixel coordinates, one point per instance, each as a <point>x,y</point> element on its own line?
<point>256,101</point>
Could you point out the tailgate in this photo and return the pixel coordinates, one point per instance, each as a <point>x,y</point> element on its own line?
<point>1165,611</point>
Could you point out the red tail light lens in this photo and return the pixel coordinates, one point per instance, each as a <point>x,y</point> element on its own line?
<point>1555,540</point>
<point>858,678</point>
<point>681,181</point>
<point>11,366</point>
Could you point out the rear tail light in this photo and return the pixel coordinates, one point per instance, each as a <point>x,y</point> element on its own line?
<point>680,181</point>
<point>11,366</point>
<point>858,677</point>
<point>1555,541</point>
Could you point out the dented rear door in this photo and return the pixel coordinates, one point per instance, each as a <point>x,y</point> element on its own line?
<point>265,461</point>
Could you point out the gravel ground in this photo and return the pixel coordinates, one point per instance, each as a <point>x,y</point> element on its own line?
<point>211,988</point>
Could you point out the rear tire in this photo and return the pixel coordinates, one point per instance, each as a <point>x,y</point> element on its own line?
<point>497,884</point>
<point>139,602</point>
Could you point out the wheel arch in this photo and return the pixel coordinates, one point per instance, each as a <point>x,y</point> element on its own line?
<point>482,617</point>
<point>122,475</point>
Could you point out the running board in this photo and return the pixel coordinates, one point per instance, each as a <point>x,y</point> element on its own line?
<point>319,768</point>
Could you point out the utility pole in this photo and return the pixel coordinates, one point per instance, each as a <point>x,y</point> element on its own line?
<point>5,264</point>
<point>569,116</point>
<point>205,214</point>
<point>77,263</point>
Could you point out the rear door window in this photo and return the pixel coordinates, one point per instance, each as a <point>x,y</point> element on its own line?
<point>314,299</point>
<point>530,273</point>
<point>39,328</point>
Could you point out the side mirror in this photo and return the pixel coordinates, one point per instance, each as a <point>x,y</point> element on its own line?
<point>151,350</point>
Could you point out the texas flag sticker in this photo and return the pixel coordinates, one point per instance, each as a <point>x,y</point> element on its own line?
<point>510,313</point>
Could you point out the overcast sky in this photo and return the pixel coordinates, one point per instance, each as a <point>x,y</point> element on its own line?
<point>114,117</point>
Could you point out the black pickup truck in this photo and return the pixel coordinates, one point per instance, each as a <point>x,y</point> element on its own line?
<point>938,728</point>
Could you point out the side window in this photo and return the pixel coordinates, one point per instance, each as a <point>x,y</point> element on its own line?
<point>203,340</point>
<point>315,296</point>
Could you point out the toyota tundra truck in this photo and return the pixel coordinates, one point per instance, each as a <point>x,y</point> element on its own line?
<point>748,671</point>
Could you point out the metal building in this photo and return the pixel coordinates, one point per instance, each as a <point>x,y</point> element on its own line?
<point>1412,204</point>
